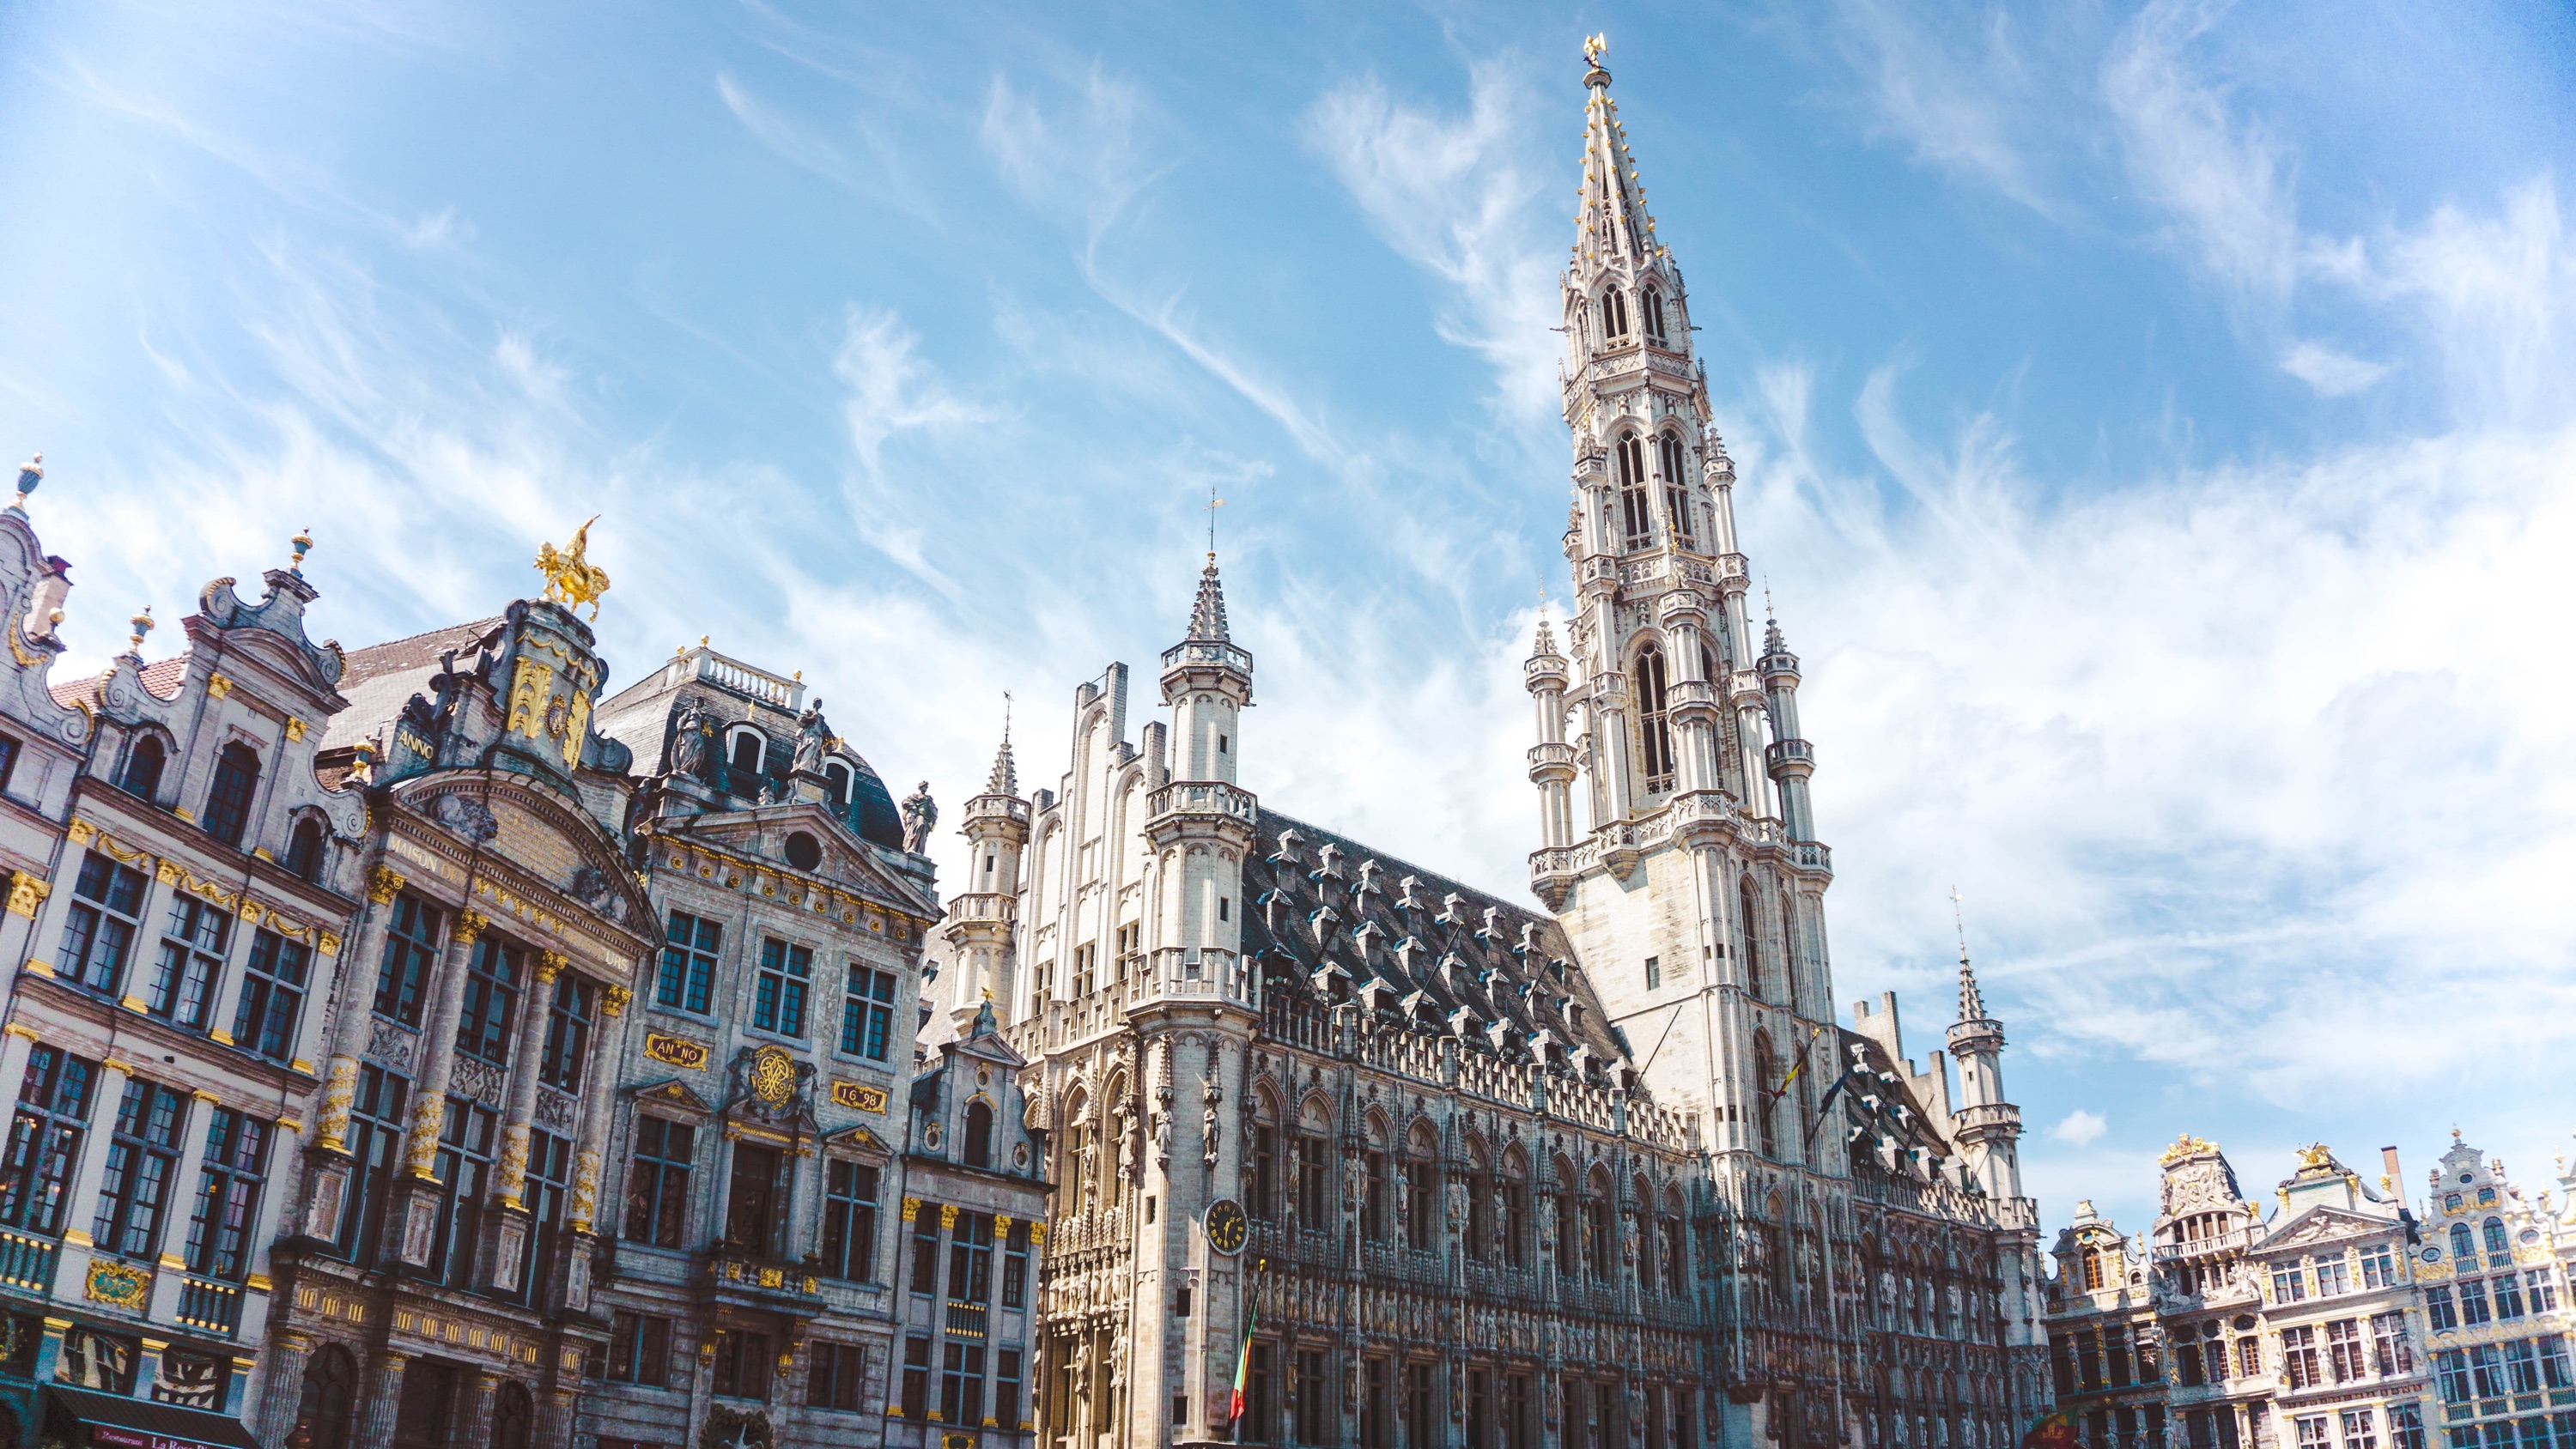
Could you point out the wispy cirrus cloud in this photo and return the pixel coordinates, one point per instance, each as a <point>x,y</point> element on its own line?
<point>1959,96</point>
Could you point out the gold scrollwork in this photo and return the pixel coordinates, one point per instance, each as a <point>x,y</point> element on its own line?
<point>383,884</point>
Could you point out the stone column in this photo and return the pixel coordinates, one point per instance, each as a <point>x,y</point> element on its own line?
<point>356,1009</point>
<point>382,1400</point>
<point>553,1428</point>
<point>281,1398</point>
<point>438,1045</point>
<point>17,1039</point>
<point>272,1211</point>
<point>599,1110</point>
<point>474,1423</point>
<point>509,1181</point>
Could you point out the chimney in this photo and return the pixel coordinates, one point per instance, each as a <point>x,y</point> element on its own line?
<point>2395,1181</point>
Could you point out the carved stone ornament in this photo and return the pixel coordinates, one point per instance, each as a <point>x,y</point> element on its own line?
<point>391,1046</point>
<point>477,1080</point>
<point>466,816</point>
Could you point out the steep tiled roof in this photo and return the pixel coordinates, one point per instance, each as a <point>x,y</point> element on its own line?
<point>160,679</point>
<point>380,677</point>
<point>1428,960</point>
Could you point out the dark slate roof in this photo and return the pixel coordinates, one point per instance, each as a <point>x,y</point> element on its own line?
<point>1519,974</point>
<point>381,677</point>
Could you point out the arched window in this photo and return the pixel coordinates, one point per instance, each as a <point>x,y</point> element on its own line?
<point>836,778</point>
<point>1636,516</point>
<point>330,1389</point>
<point>143,767</point>
<point>1654,310</point>
<point>2464,1246</point>
<point>2092,1270</point>
<point>1653,721</point>
<point>304,851</point>
<point>1765,1068</point>
<point>1614,314</point>
<point>2497,1249</point>
<point>979,1134</point>
<point>512,1416</point>
<point>1598,1243</point>
<point>745,753</point>
<point>1569,1215</point>
<point>1677,504</point>
<point>228,803</point>
<point>1747,954</point>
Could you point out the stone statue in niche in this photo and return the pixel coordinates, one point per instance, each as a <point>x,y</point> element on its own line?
<point>689,740</point>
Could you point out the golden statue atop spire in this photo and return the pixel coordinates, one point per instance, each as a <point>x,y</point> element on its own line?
<point>1593,46</point>
<point>571,578</point>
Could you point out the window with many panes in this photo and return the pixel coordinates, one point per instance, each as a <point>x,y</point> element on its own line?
<point>98,936</point>
<point>2289,1285</point>
<point>411,952</point>
<point>688,977</point>
<point>272,996</point>
<point>742,1364</point>
<point>970,1259</point>
<point>228,801</point>
<point>2521,1367</point>
<point>916,1379</point>
<point>2473,1301</point>
<point>1086,972</point>
<point>2299,1356</point>
<point>849,1239</point>
<point>193,942</point>
<point>1015,1265</point>
<point>867,1013</point>
<point>143,762</point>
<point>548,1186</point>
<point>2486,1370</point>
<point>639,1350</point>
<point>778,997</point>
<point>2378,1266</point>
<point>1677,504</point>
<point>1006,1388</point>
<point>1636,514</point>
<point>2439,1310</point>
<point>376,1125</point>
<point>2406,1426</point>
<point>961,1383</point>
<point>2390,1351</point>
<point>569,1020</point>
<point>2343,1350</point>
<point>142,1157</point>
<point>925,1249</point>
<point>1311,1182</point>
<point>2334,1275</point>
<point>45,1139</point>
<point>657,1182</point>
<point>494,975</point>
<point>467,1143</point>
<point>228,1195</point>
<point>835,1376</point>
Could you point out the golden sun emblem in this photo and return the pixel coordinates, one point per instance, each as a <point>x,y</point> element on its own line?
<point>773,1075</point>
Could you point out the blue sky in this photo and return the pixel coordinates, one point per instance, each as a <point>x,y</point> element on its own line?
<point>2156,425</point>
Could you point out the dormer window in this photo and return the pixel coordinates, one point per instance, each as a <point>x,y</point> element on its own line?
<point>304,851</point>
<point>745,753</point>
<point>142,778</point>
<point>836,779</point>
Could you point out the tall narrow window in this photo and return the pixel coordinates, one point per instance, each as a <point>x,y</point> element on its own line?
<point>757,1199</point>
<point>1636,515</point>
<point>1765,1070</point>
<point>1311,1182</point>
<point>979,1134</point>
<point>228,1195</point>
<point>1789,952</point>
<point>1654,722</point>
<point>107,901</point>
<point>548,1185</point>
<point>1015,1266</point>
<point>143,763</point>
<point>45,1139</point>
<point>1654,310</point>
<point>1265,1171</point>
<point>411,948</point>
<point>142,1154</point>
<point>568,1027</point>
<point>1747,953</point>
<point>1677,504</point>
<point>688,978</point>
<point>970,1259</point>
<point>1614,314</point>
<point>465,1150</point>
<point>849,1243</point>
<point>1373,1197</point>
<point>228,802</point>
<point>867,1013</point>
<point>193,942</point>
<point>376,1121</point>
<point>961,1384</point>
<point>493,975</point>
<point>1006,1388</point>
<point>657,1186</point>
<point>778,998</point>
<point>836,779</point>
<point>272,996</point>
<point>1422,1205</point>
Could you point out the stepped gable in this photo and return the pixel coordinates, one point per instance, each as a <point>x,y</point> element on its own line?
<point>1518,974</point>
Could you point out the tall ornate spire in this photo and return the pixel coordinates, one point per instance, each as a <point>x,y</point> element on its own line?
<point>1972,1004</point>
<point>1207,616</point>
<point>1005,779</point>
<point>1613,221</point>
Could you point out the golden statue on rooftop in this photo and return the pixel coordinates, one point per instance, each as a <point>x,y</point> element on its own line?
<point>571,578</point>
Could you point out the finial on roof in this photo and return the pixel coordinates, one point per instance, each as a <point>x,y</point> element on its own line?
<point>1005,779</point>
<point>303,544</point>
<point>30,473</point>
<point>1207,615</point>
<point>1214,503</point>
<point>1594,46</point>
<point>142,625</point>
<point>572,580</point>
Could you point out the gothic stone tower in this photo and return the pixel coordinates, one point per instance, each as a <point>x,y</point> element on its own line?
<point>1695,899</point>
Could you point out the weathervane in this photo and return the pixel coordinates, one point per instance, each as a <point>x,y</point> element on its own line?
<point>1959,919</point>
<point>1593,46</point>
<point>1214,503</point>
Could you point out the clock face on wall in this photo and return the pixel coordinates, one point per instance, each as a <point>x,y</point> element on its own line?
<point>1226,1226</point>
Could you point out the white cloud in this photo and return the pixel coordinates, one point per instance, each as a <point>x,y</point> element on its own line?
<point>2080,1128</point>
<point>1954,95</point>
<point>2331,373</point>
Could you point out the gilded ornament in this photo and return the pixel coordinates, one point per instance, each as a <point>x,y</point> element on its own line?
<point>773,1075</point>
<point>551,964</point>
<point>571,578</point>
<point>614,1003</point>
<point>383,885</point>
<point>469,928</point>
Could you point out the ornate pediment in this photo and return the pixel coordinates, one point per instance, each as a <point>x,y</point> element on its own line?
<point>673,1093</point>
<point>2319,1224</point>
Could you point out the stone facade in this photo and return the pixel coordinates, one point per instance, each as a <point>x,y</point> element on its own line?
<point>2341,1320</point>
<point>1436,1169</point>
